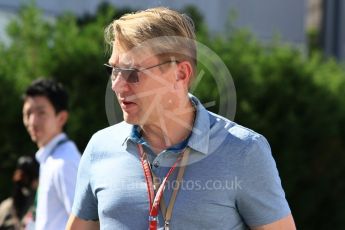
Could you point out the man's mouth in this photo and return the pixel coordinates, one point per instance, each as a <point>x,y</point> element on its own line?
<point>127,102</point>
<point>126,105</point>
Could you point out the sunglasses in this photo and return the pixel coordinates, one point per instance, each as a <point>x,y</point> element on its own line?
<point>130,75</point>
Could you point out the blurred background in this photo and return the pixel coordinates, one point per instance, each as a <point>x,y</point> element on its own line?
<point>286,59</point>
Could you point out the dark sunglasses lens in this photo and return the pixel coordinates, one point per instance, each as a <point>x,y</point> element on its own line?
<point>131,76</point>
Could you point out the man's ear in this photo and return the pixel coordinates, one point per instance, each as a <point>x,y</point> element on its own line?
<point>184,72</point>
<point>62,118</point>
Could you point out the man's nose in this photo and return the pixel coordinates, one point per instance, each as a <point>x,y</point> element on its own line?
<point>32,119</point>
<point>119,85</point>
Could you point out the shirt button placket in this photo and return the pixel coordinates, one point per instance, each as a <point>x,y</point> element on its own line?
<point>156,164</point>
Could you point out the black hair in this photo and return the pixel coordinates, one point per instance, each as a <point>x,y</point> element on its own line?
<point>52,90</point>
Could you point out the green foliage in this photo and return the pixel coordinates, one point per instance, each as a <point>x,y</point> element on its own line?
<point>314,40</point>
<point>296,101</point>
<point>298,104</point>
<point>29,54</point>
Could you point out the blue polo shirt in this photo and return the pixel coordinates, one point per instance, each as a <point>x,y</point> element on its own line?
<point>231,181</point>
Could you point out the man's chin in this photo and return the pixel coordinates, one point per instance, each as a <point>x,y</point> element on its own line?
<point>36,140</point>
<point>130,120</point>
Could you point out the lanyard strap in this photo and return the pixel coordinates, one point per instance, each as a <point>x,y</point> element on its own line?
<point>147,173</point>
<point>60,142</point>
<point>179,178</point>
<point>162,204</point>
<point>155,200</point>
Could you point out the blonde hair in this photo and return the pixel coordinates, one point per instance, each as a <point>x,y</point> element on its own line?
<point>174,31</point>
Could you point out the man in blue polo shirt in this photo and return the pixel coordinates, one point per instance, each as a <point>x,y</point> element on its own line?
<point>171,163</point>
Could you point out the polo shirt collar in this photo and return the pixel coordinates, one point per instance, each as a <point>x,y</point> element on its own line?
<point>200,136</point>
<point>43,153</point>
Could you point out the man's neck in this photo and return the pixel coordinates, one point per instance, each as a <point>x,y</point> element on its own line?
<point>46,142</point>
<point>170,129</point>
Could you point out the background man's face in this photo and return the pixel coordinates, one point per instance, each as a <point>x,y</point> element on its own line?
<point>40,120</point>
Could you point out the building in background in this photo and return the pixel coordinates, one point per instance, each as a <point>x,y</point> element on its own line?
<point>266,19</point>
<point>314,14</point>
<point>333,28</point>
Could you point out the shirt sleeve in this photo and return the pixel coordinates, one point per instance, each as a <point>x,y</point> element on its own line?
<point>261,199</point>
<point>85,202</point>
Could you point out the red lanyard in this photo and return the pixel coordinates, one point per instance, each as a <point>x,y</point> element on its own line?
<point>154,200</point>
